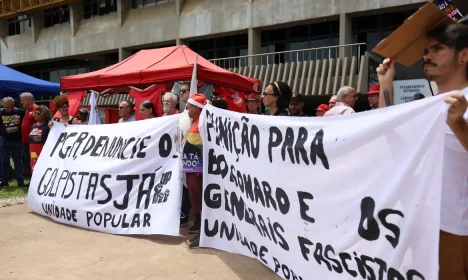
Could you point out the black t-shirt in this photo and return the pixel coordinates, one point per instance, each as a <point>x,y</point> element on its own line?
<point>10,126</point>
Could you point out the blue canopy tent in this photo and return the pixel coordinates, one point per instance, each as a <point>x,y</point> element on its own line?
<point>14,83</point>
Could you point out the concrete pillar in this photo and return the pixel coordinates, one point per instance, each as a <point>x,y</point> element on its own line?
<point>123,6</point>
<point>255,43</point>
<point>179,4</point>
<point>3,35</point>
<point>180,42</point>
<point>124,54</point>
<point>346,34</point>
<point>76,15</point>
<point>37,24</point>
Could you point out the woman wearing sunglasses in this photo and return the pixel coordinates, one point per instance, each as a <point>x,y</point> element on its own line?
<point>276,97</point>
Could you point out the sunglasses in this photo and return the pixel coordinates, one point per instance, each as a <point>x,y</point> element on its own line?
<point>184,90</point>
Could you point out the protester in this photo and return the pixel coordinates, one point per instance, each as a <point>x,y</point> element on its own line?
<point>185,91</point>
<point>418,96</point>
<point>333,101</point>
<point>62,104</point>
<point>10,130</point>
<point>193,151</point>
<point>83,116</point>
<point>170,104</point>
<point>28,104</point>
<point>322,109</point>
<point>373,96</point>
<point>346,98</point>
<point>253,105</point>
<point>296,104</point>
<point>39,133</point>
<point>126,111</point>
<point>446,63</point>
<point>147,110</point>
<point>276,97</point>
<point>220,103</point>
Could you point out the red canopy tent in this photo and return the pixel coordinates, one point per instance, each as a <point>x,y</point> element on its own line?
<point>162,65</point>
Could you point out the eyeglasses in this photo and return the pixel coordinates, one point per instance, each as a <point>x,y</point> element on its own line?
<point>265,94</point>
<point>184,90</point>
<point>121,108</point>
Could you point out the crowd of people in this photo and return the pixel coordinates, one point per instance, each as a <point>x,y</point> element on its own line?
<point>24,131</point>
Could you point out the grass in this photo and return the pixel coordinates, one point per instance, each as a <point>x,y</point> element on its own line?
<point>13,190</point>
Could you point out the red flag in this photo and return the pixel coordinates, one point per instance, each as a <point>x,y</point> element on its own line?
<point>153,94</point>
<point>74,100</point>
<point>235,100</point>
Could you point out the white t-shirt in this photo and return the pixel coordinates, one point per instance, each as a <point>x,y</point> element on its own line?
<point>454,207</point>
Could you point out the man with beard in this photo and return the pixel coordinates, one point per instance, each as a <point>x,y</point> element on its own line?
<point>296,104</point>
<point>169,104</point>
<point>192,160</point>
<point>373,96</point>
<point>446,62</point>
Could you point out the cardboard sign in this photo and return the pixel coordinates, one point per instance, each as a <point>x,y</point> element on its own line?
<point>406,44</point>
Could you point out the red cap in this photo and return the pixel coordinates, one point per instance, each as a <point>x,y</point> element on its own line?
<point>323,107</point>
<point>252,96</point>
<point>374,89</point>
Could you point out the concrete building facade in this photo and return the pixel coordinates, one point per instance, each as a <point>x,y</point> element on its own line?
<point>81,36</point>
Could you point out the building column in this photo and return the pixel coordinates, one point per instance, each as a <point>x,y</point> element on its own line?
<point>346,34</point>
<point>124,54</point>
<point>123,6</point>
<point>179,4</point>
<point>180,42</point>
<point>76,15</point>
<point>255,43</point>
<point>3,35</point>
<point>37,24</point>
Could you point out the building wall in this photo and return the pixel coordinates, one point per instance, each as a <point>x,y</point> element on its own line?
<point>177,21</point>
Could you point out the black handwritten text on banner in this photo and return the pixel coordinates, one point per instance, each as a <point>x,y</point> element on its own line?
<point>122,179</point>
<point>311,198</point>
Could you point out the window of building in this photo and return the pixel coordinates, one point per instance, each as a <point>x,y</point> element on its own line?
<point>19,25</point>
<point>302,37</point>
<point>56,16</point>
<point>95,8</point>
<point>53,71</point>
<point>374,28</point>
<point>223,47</point>
<point>144,3</point>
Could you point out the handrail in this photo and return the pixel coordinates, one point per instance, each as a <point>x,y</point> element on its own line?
<point>291,51</point>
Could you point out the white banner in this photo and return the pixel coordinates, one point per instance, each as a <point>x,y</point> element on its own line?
<point>117,178</point>
<point>327,198</point>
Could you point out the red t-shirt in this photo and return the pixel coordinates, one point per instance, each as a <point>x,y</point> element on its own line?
<point>27,124</point>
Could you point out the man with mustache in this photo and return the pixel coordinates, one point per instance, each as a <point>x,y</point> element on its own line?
<point>446,62</point>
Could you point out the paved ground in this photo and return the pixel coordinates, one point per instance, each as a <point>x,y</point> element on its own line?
<point>33,247</point>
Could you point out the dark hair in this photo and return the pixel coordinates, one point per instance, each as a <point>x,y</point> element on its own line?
<point>283,92</point>
<point>453,35</point>
<point>45,112</point>
<point>220,103</point>
<point>418,96</point>
<point>185,84</point>
<point>149,105</point>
